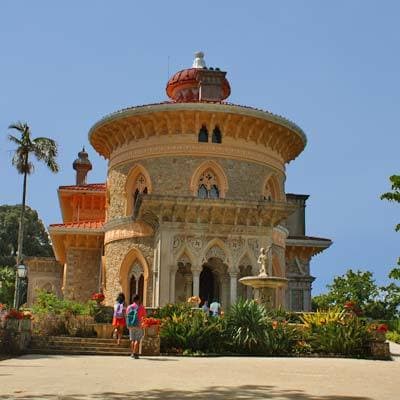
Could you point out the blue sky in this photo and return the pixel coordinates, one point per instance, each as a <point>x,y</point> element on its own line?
<point>331,67</point>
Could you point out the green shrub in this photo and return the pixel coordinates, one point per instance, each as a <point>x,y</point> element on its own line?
<point>171,310</point>
<point>246,327</point>
<point>102,314</point>
<point>347,336</point>
<point>193,332</point>
<point>49,303</point>
<point>393,336</point>
<point>282,338</point>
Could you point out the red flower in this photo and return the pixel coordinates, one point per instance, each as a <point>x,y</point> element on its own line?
<point>382,328</point>
<point>147,322</point>
<point>98,297</point>
<point>14,314</point>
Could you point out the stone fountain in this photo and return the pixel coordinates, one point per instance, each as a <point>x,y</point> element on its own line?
<point>264,283</point>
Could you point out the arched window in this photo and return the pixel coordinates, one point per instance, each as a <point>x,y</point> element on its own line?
<point>140,187</point>
<point>272,190</point>
<point>136,281</point>
<point>203,134</point>
<point>208,185</point>
<point>216,135</point>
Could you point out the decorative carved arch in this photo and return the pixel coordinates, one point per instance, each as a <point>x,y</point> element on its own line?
<point>184,252</point>
<point>134,256</point>
<point>272,189</point>
<point>130,184</point>
<point>247,258</point>
<point>219,174</point>
<point>221,248</point>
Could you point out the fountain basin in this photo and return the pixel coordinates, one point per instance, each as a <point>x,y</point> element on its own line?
<point>264,281</point>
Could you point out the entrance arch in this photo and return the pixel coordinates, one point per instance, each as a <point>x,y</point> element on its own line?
<point>134,275</point>
<point>207,285</point>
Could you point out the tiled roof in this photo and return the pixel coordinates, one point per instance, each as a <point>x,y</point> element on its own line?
<point>81,224</point>
<point>94,187</point>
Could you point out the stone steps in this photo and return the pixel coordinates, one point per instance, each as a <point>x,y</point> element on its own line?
<point>71,345</point>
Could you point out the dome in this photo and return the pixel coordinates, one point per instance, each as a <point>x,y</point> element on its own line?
<point>198,83</point>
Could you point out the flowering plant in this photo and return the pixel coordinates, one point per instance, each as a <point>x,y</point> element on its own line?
<point>14,314</point>
<point>150,321</point>
<point>194,299</point>
<point>27,315</point>
<point>379,328</point>
<point>98,297</point>
<point>352,307</point>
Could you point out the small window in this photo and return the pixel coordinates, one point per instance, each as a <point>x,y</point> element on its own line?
<point>216,135</point>
<point>214,192</point>
<point>208,186</point>
<point>203,134</point>
<point>202,192</point>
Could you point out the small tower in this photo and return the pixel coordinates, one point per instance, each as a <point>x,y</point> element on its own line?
<point>82,166</point>
<point>199,83</point>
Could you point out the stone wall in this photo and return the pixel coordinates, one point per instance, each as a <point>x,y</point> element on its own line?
<point>44,273</point>
<point>82,273</point>
<point>172,175</point>
<point>115,253</point>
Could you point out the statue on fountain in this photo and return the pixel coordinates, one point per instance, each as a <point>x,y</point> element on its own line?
<point>263,261</point>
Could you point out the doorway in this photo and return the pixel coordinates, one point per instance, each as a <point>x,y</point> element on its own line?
<point>136,287</point>
<point>207,285</point>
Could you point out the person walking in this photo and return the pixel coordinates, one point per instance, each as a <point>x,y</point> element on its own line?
<point>215,308</point>
<point>119,322</point>
<point>134,317</point>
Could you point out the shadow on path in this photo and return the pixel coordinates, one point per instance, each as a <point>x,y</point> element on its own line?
<point>210,393</point>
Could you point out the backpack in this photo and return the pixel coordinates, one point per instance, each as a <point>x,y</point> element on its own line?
<point>132,317</point>
<point>119,312</point>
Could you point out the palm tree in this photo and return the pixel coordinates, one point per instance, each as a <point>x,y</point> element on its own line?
<point>44,149</point>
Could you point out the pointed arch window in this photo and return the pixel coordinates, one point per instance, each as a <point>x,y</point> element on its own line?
<point>203,134</point>
<point>136,281</point>
<point>216,135</point>
<point>208,185</point>
<point>140,187</point>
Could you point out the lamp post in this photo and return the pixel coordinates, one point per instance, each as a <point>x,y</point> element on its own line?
<point>21,273</point>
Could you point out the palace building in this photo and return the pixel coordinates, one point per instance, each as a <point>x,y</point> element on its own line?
<point>195,187</point>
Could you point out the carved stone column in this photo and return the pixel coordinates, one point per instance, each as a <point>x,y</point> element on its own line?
<point>188,285</point>
<point>225,292</point>
<point>196,281</point>
<point>233,280</point>
<point>172,274</point>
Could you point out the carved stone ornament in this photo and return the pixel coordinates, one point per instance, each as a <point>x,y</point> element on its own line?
<point>136,270</point>
<point>177,242</point>
<point>236,245</point>
<point>215,252</point>
<point>254,246</point>
<point>195,243</point>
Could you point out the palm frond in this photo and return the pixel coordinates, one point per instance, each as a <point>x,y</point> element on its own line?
<point>22,127</point>
<point>46,150</point>
<point>15,140</point>
<point>21,165</point>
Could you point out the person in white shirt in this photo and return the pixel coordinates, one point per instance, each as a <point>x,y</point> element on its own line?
<point>215,308</point>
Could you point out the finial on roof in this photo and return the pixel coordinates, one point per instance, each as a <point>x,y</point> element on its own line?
<point>199,61</point>
<point>82,166</point>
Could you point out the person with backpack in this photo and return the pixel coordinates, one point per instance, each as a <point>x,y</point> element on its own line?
<point>134,316</point>
<point>119,322</point>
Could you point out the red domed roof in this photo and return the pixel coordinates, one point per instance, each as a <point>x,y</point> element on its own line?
<point>184,86</point>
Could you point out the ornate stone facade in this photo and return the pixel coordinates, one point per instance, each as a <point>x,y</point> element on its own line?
<point>194,190</point>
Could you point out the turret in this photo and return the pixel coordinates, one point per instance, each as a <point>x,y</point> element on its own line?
<point>82,166</point>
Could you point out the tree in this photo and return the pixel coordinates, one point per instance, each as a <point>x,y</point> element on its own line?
<point>394,196</point>
<point>356,286</point>
<point>36,243</point>
<point>44,149</point>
